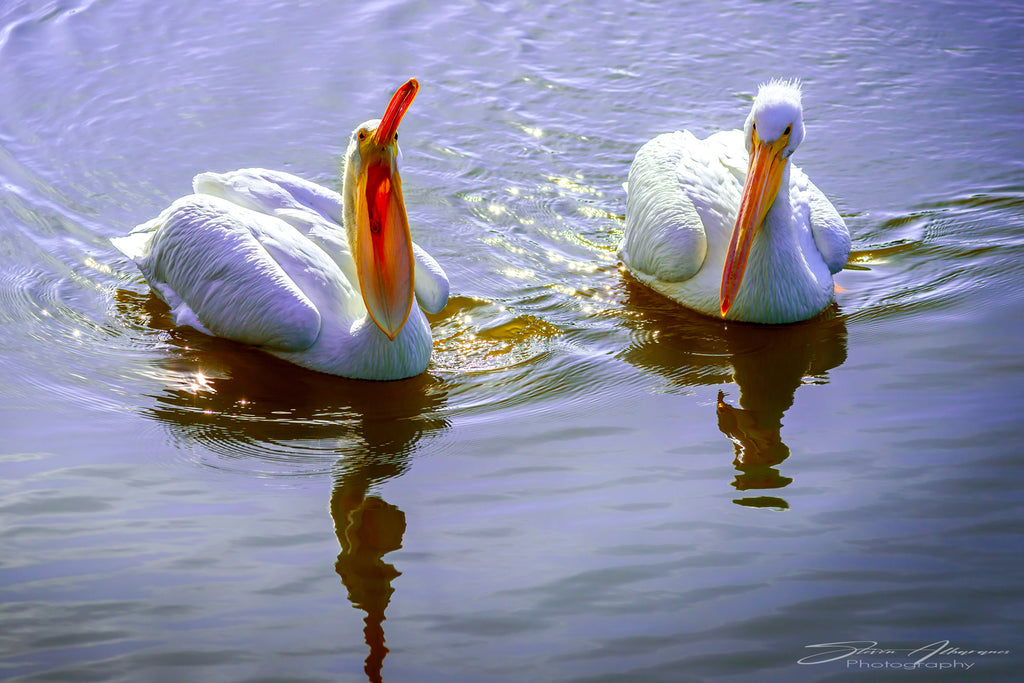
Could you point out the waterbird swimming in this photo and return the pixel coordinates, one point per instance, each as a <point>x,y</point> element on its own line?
<point>325,280</point>
<point>728,226</point>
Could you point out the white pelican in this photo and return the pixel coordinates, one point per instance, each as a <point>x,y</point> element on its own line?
<point>323,280</point>
<point>727,226</point>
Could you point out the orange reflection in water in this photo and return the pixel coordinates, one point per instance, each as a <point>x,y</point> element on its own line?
<point>367,528</point>
<point>767,363</point>
<point>255,412</point>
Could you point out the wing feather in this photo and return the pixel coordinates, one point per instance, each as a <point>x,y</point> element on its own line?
<point>431,283</point>
<point>275,193</point>
<point>683,194</point>
<point>664,235</point>
<point>831,236</point>
<point>212,259</point>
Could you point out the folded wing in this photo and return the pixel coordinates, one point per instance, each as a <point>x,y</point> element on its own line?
<point>228,270</point>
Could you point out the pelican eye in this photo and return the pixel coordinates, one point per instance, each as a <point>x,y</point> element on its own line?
<point>755,125</point>
<point>788,130</point>
<point>362,134</point>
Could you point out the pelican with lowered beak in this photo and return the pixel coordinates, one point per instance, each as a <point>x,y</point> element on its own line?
<point>728,226</point>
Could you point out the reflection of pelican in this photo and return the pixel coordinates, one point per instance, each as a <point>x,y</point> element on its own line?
<point>727,226</point>
<point>367,528</point>
<point>238,401</point>
<point>261,257</point>
<point>768,364</point>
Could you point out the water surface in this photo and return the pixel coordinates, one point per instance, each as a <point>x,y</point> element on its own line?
<point>589,483</point>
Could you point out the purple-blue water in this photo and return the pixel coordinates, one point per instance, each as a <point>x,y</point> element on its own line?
<point>589,483</point>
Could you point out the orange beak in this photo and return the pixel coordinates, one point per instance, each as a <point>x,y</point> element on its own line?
<point>764,175</point>
<point>383,250</point>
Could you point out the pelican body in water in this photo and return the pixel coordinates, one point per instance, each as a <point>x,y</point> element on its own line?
<point>323,280</point>
<point>728,226</point>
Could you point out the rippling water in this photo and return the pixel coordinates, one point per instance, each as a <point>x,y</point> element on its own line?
<point>589,482</point>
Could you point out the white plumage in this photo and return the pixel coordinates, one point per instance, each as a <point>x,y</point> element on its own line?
<point>683,211</point>
<point>269,259</point>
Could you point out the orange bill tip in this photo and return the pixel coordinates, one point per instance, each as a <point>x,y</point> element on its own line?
<point>396,109</point>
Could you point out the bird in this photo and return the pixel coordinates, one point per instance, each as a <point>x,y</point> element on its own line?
<point>324,280</point>
<point>728,225</point>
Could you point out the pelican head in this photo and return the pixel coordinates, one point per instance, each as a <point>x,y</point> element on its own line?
<point>773,131</point>
<point>378,229</point>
